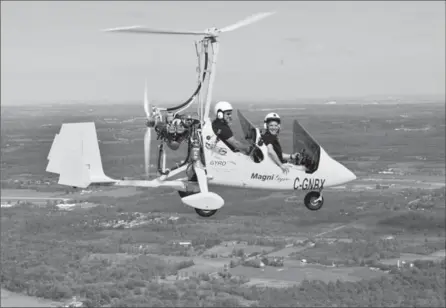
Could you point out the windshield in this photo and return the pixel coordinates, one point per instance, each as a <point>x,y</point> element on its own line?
<point>304,144</point>
<point>248,128</point>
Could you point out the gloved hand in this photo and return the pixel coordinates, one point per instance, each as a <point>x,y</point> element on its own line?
<point>296,158</point>
<point>284,168</point>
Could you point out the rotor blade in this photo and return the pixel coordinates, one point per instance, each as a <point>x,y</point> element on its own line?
<point>147,141</point>
<point>201,177</point>
<point>146,102</point>
<point>246,21</point>
<point>145,30</point>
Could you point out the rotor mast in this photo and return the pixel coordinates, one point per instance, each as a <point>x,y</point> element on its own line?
<point>215,48</point>
<point>210,46</point>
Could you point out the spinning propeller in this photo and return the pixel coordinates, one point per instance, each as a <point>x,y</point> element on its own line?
<point>148,134</point>
<point>211,32</point>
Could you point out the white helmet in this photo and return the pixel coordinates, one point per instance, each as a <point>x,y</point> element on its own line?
<point>221,107</point>
<point>271,117</point>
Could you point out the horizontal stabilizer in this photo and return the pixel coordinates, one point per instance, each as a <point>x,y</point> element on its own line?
<point>75,156</point>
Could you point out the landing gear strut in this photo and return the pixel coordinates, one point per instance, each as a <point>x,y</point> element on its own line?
<point>200,212</point>
<point>314,200</point>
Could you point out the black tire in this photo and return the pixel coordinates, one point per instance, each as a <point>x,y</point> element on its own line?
<point>204,213</point>
<point>311,203</point>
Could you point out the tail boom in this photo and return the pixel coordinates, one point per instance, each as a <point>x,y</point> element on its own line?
<point>76,157</point>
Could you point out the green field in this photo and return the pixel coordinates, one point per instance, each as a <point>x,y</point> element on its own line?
<point>124,248</point>
<point>307,272</point>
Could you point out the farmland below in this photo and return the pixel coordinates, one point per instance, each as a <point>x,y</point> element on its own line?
<point>378,241</point>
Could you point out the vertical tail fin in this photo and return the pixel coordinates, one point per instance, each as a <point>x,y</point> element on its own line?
<point>75,156</point>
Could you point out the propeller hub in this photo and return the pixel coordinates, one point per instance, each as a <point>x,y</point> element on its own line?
<point>151,122</point>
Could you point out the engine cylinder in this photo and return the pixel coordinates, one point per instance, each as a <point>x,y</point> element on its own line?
<point>180,129</point>
<point>171,129</point>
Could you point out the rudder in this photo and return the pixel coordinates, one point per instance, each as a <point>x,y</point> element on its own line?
<point>75,156</point>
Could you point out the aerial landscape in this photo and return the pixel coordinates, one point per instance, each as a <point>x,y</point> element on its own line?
<point>73,235</point>
<point>382,235</point>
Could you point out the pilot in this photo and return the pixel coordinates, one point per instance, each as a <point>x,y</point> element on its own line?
<point>271,139</point>
<point>222,129</point>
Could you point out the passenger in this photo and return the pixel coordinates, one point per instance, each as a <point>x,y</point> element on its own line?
<point>271,139</point>
<point>221,128</point>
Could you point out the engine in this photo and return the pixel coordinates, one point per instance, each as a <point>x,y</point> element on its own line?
<point>174,130</point>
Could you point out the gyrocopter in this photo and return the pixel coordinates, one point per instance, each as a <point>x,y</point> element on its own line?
<point>75,154</point>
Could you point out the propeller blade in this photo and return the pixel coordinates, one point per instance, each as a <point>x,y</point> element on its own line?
<point>145,30</point>
<point>146,102</point>
<point>147,141</point>
<point>201,177</point>
<point>247,21</point>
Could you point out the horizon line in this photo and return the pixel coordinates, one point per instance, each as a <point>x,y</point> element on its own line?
<point>298,100</point>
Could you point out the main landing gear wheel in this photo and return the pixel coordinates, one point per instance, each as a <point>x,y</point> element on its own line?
<point>200,212</point>
<point>314,200</point>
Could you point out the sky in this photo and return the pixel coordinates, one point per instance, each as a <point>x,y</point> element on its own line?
<point>55,52</point>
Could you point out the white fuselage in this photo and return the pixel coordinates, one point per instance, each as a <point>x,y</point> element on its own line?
<point>235,169</point>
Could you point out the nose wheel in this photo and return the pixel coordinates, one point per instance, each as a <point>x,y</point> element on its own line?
<point>204,213</point>
<point>314,200</point>
<point>200,212</point>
